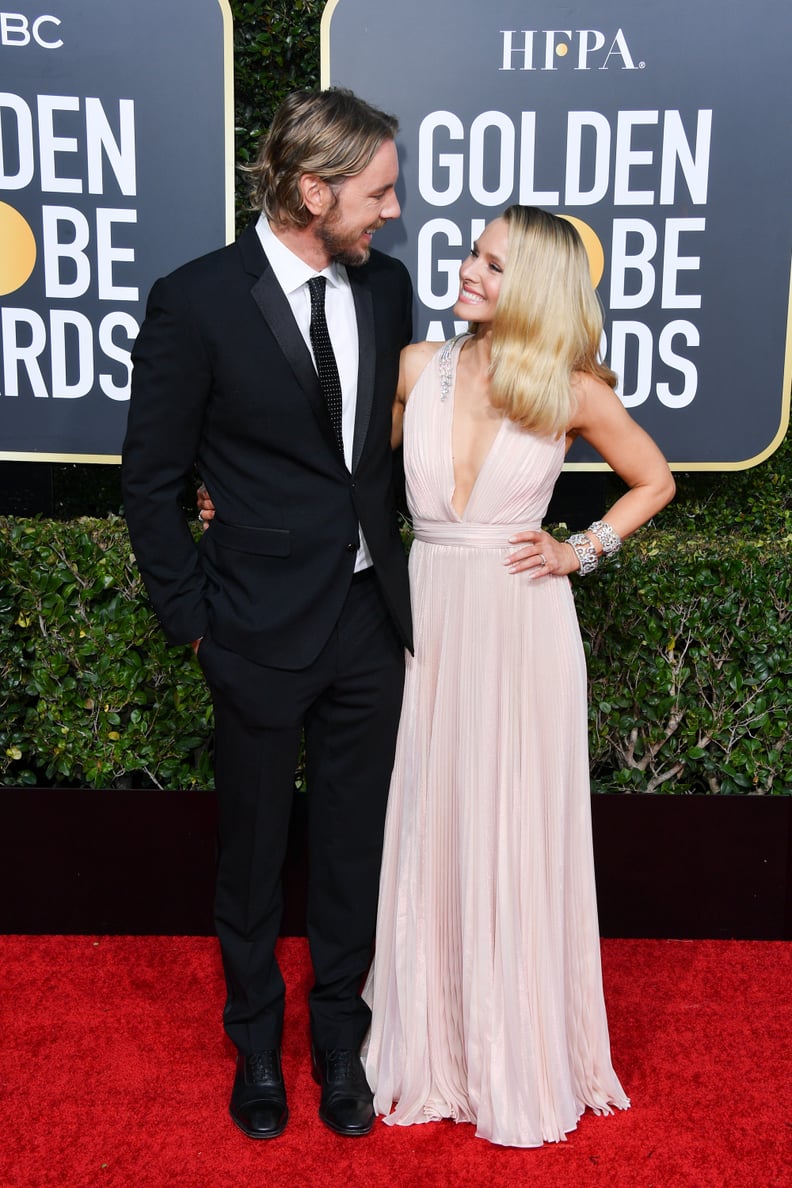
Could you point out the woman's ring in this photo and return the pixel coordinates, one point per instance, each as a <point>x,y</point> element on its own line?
<point>200,515</point>
<point>543,559</point>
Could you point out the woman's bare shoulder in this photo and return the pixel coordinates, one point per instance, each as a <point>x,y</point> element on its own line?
<point>414,359</point>
<point>591,398</point>
<point>418,354</point>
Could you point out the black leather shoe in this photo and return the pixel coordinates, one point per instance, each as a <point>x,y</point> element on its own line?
<point>347,1103</point>
<point>258,1099</point>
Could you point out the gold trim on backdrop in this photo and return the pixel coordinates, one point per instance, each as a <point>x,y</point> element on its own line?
<point>228,88</point>
<point>97,459</point>
<point>324,42</point>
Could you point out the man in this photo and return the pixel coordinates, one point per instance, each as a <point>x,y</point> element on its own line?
<point>296,599</point>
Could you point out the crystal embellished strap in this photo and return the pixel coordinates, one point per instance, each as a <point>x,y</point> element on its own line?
<point>445,365</point>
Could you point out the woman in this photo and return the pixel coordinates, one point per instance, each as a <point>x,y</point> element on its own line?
<point>486,988</point>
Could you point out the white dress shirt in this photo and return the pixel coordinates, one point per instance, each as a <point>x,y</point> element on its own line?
<point>293,274</point>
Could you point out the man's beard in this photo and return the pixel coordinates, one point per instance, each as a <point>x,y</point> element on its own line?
<point>343,248</point>
<point>339,248</point>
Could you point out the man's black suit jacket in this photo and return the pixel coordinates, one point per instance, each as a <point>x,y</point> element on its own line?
<point>222,378</point>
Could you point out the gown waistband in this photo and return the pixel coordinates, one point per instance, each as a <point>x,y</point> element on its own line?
<point>469,535</point>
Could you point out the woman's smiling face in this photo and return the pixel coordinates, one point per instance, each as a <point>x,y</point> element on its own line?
<point>481,272</point>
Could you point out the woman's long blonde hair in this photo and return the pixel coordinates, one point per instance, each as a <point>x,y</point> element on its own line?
<point>547,324</point>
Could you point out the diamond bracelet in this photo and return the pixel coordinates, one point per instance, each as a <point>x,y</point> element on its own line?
<point>608,537</point>
<point>584,551</point>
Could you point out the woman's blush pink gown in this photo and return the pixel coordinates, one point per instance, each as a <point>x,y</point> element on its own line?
<point>486,987</point>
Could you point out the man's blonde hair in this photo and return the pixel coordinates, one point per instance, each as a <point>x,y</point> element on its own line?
<point>332,134</point>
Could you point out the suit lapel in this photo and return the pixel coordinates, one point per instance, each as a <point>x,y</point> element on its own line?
<point>276,311</point>
<point>361,292</point>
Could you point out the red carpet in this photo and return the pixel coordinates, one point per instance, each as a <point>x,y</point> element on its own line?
<point>98,1086</point>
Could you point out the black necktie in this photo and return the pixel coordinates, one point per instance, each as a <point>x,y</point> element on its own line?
<point>325,359</point>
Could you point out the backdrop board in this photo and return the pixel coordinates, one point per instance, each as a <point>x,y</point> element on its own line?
<point>662,128</point>
<point>116,165</point>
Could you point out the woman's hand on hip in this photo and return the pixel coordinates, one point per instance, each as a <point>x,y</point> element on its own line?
<point>540,554</point>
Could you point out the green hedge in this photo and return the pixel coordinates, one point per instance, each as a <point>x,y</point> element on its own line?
<point>689,645</point>
<point>90,694</point>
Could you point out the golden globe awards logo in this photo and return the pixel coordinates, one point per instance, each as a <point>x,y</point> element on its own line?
<point>104,186</point>
<point>646,258</point>
<point>663,137</point>
<point>81,251</point>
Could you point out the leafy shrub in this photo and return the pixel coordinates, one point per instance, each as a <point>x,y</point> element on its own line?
<point>689,646</point>
<point>90,694</point>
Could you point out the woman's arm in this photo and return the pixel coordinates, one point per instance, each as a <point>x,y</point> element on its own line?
<point>601,419</point>
<point>412,361</point>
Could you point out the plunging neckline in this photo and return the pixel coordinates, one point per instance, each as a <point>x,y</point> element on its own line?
<point>452,404</point>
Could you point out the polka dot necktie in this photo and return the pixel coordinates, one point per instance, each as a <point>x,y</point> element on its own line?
<point>323,354</point>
